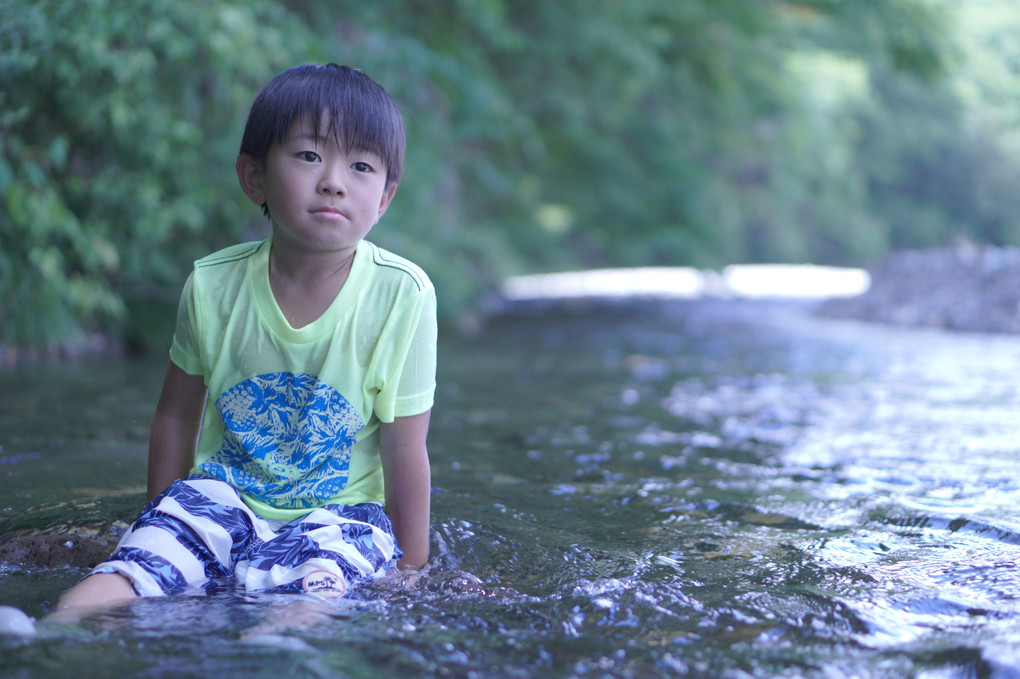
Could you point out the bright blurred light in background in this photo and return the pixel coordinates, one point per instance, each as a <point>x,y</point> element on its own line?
<point>658,281</point>
<point>795,280</point>
<point>742,281</point>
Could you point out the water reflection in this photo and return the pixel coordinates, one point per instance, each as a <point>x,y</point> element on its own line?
<point>622,489</point>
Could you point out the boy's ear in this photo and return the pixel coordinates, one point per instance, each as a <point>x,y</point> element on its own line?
<point>386,198</point>
<point>249,175</point>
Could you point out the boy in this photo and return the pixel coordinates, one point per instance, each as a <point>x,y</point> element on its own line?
<point>302,372</point>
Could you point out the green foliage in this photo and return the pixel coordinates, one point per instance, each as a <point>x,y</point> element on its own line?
<point>541,135</point>
<point>119,119</point>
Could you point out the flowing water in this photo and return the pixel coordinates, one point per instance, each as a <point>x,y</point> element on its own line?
<point>626,489</point>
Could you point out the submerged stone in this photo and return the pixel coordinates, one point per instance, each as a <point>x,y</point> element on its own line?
<point>14,622</point>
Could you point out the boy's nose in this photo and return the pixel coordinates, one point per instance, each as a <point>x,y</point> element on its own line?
<point>331,182</point>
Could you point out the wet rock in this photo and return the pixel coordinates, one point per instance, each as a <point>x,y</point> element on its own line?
<point>14,622</point>
<point>55,549</point>
<point>966,288</point>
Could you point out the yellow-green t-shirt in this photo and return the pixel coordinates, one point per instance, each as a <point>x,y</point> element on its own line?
<point>293,414</point>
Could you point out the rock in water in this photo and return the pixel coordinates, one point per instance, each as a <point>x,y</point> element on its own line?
<point>15,622</point>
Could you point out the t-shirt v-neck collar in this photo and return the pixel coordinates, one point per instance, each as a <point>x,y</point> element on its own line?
<point>274,318</point>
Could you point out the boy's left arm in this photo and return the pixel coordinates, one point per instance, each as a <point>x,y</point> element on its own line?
<point>408,479</point>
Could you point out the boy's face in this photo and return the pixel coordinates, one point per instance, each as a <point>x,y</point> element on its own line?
<point>320,197</point>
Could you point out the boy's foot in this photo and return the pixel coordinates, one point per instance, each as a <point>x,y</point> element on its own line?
<point>13,622</point>
<point>291,614</point>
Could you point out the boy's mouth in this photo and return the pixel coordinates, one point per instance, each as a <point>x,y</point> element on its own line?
<point>328,212</point>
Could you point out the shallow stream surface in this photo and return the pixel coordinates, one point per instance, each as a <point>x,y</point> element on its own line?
<point>626,489</point>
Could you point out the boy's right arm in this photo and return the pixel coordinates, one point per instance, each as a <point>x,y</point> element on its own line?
<point>175,428</point>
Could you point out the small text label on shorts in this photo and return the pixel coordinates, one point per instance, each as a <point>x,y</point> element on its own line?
<point>324,583</point>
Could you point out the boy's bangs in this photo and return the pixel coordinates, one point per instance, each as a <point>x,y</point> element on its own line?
<point>361,113</point>
<point>360,125</point>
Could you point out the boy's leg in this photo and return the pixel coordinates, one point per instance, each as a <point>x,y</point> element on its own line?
<point>290,614</point>
<point>180,541</point>
<point>319,554</point>
<point>322,553</point>
<point>94,594</point>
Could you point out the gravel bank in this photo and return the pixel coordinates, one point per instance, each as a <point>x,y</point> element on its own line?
<point>966,288</point>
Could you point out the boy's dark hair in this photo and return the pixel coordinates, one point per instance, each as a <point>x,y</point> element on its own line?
<point>361,113</point>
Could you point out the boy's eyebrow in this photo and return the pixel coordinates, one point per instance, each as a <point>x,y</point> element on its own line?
<point>317,138</point>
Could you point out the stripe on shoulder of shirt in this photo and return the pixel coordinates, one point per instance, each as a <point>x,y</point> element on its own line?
<point>232,257</point>
<point>381,259</point>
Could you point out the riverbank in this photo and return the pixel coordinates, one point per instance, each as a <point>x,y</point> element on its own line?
<point>87,347</point>
<point>965,288</point>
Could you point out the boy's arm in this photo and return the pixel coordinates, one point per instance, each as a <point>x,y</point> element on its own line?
<point>408,479</point>
<point>175,428</point>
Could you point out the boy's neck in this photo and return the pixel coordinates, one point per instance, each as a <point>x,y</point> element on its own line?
<point>306,283</point>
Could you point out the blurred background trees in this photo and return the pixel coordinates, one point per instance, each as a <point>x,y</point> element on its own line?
<point>542,135</point>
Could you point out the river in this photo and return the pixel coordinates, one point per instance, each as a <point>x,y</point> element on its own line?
<point>622,488</point>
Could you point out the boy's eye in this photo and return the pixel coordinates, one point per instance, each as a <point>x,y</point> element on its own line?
<point>310,156</point>
<point>361,167</point>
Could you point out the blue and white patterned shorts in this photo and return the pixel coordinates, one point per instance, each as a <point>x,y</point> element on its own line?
<point>199,533</point>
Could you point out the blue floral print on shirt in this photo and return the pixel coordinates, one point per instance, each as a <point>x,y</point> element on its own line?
<point>287,439</point>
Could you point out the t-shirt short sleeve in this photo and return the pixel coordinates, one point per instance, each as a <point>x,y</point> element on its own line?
<point>184,350</point>
<point>411,385</point>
